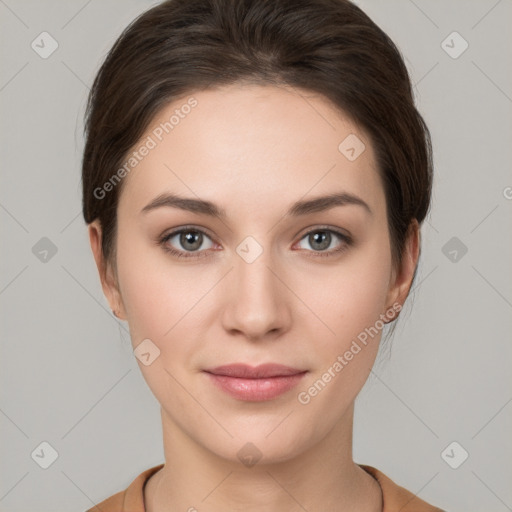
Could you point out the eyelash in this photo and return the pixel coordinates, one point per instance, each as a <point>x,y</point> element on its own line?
<point>204,254</point>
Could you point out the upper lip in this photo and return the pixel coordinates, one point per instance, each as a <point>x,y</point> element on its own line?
<point>245,371</point>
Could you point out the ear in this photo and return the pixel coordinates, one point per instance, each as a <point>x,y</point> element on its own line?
<point>107,276</point>
<point>401,279</point>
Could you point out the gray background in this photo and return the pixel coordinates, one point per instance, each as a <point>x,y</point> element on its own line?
<point>68,375</point>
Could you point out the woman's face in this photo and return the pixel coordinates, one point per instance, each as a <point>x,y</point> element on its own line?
<point>272,277</point>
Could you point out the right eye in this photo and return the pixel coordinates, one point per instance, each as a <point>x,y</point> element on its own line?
<point>186,243</point>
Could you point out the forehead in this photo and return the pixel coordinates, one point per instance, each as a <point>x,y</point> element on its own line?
<point>246,143</point>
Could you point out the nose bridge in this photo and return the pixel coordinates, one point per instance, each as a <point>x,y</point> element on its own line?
<point>254,279</point>
<point>257,303</point>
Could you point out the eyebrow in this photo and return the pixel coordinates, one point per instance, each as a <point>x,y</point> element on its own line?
<point>298,208</point>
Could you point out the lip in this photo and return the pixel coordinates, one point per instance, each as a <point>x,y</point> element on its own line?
<point>255,383</point>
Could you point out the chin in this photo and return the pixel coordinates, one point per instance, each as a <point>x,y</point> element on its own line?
<point>263,444</point>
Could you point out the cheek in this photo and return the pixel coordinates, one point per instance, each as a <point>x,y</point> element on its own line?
<point>167,303</point>
<point>352,300</point>
<point>144,304</point>
<point>159,307</point>
<point>349,296</point>
<point>154,292</point>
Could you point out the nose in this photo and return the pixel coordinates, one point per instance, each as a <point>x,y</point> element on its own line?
<point>258,307</point>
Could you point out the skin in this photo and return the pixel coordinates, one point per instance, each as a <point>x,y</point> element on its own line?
<point>254,150</point>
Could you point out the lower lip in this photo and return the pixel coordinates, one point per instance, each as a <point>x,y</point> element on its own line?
<point>256,390</point>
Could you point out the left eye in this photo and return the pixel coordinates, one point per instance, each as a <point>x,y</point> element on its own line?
<point>321,240</point>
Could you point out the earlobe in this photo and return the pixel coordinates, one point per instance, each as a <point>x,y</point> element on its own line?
<point>108,281</point>
<point>402,279</point>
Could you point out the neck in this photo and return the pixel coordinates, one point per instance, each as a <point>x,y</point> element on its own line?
<point>322,478</point>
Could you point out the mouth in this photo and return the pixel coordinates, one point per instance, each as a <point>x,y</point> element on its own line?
<point>255,383</point>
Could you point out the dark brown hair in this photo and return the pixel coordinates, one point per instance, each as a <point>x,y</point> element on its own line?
<point>328,47</point>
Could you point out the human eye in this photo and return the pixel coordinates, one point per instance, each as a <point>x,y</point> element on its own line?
<point>190,241</point>
<point>323,238</point>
